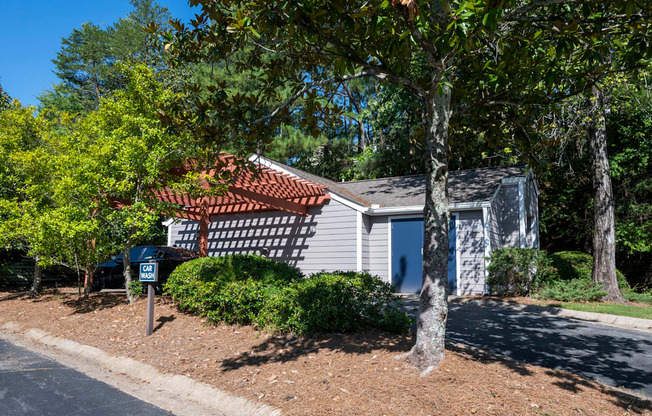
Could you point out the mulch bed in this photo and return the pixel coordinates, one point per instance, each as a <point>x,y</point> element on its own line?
<point>339,374</point>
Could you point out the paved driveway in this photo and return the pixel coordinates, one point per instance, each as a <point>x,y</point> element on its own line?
<point>614,356</point>
<point>31,384</point>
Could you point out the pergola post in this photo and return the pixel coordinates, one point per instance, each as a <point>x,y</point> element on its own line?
<point>204,222</point>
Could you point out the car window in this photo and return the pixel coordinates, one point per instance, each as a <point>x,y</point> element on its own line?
<point>134,254</point>
<point>150,253</point>
<point>169,253</point>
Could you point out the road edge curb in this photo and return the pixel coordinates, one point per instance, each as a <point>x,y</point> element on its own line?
<point>74,354</point>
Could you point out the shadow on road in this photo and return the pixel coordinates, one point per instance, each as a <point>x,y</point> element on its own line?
<point>613,356</point>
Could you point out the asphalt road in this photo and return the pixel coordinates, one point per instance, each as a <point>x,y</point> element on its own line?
<point>614,356</point>
<point>31,384</point>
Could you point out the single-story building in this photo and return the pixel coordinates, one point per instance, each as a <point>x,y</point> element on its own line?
<point>377,225</point>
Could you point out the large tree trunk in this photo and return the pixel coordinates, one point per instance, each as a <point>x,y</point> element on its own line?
<point>429,350</point>
<point>35,291</point>
<point>604,236</point>
<point>126,269</point>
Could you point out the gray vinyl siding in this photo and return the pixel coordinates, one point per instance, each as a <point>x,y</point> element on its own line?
<point>509,219</point>
<point>378,248</point>
<point>366,228</point>
<point>183,233</point>
<point>332,247</point>
<point>470,239</point>
<point>334,244</point>
<point>495,229</point>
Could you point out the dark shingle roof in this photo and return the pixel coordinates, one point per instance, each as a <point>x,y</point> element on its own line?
<point>464,186</point>
<point>472,185</point>
<point>333,187</point>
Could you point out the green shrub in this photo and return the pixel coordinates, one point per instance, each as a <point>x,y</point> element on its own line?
<point>517,271</point>
<point>574,290</point>
<point>196,285</point>
<point>571,265</point>
<point>251,289</point>
<point>338,301</point>
<point>633,296</point>
<point>238,302</point>
<point>137,288</point>
<point>571,281</point>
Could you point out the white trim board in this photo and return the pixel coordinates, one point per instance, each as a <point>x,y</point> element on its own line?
<point>458,263</point>
<point>513,181</point>
<point>487,244</point>
<point>522,228</point>
<point>347,202</point>
<point>359,241</point>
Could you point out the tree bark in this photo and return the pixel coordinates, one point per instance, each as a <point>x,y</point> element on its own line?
<point>88,280</point>
<point>429,349</point>
<point>604,236</point>
<point>90,270</point>
<point>204,224</point>
<point>126,269</point>
<point>35,291</point>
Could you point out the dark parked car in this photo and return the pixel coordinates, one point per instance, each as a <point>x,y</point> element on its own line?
<point>109,275</point>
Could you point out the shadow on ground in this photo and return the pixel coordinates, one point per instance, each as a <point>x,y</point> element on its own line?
<point>285,349</point>
<point>614,356</point>
<point>96,302</point>
<point>13,294</point>
<point>565,380</point>
<point>162,321</point>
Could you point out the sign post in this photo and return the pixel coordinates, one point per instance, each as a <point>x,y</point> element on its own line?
<point>149,275</point>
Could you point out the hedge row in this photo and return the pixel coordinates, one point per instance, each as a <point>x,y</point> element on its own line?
<point>248,289</point>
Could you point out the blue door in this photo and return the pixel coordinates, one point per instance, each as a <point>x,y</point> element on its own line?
<point>407,257</point>
<point>452,256</point>
<point>407,260</point>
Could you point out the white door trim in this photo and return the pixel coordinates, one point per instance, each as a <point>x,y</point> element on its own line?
<point>455,215</point>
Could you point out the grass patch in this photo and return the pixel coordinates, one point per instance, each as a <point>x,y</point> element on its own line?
<point>633,311</point>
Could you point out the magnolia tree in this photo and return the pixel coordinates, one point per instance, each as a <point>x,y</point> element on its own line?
<point>451,57</point>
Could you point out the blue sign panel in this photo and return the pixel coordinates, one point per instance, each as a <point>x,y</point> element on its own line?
<point>148,272</point>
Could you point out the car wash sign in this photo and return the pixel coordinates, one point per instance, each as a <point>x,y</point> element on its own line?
<point>148,272</point>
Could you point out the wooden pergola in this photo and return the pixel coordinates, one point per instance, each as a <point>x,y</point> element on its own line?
<point>248,191</point>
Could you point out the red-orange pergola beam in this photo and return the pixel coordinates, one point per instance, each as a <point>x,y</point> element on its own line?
<point>264,191</point>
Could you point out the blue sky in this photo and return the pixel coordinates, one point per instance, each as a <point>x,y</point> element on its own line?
<point>31,32</point>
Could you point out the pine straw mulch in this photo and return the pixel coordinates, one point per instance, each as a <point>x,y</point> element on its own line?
<point>339,374</point>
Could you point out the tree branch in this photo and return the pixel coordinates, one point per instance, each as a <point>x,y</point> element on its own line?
<point>316,84</point>
<point>535,5</point>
